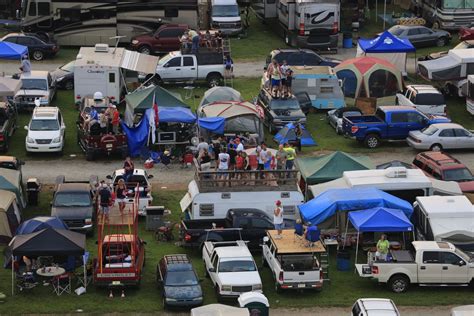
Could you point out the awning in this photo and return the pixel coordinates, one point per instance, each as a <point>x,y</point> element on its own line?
<point>185,202</point>
<point>139,62</point>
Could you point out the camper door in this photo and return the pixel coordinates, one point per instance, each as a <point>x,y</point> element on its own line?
<point>113,85</point>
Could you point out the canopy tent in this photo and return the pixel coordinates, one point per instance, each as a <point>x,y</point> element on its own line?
<point>288,135</point>
<point>220,94</point>
<point>369,77</point>
<point>9,87</point>
<point>394,163</point>
<point>325,168</point>
<point>40,222</point>
<point>176,115</point>
<point>9,216</point>
<point>388,47</point>
<point>10,180</point>
<point>12,51</point>
<point>213,124</point>
<point>331,201</point>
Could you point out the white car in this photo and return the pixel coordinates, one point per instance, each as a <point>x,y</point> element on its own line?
<point>46,131</point>
<point>374,306</point>
<point>441,136</point>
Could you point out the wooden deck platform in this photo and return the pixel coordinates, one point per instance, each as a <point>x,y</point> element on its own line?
<point>289,243</point>
<point>116,218</point>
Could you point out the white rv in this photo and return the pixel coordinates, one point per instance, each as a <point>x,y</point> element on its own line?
<point>108,70</point>
<point>407,184</point>
<point>225,16</point>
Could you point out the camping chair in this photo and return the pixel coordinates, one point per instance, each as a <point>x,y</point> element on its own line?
<point>165,160</point>
<point>25,281</point>
<point>312,235</point>
<point>299,231</point>
<point>62,284</point>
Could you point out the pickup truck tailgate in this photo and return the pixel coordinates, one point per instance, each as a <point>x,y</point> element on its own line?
<point>364,270</point>
<point>301,276</point>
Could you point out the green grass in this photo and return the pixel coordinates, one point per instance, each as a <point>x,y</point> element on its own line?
<point>344,289</point>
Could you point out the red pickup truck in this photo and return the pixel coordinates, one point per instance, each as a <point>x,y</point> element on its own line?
<point>165,39</point>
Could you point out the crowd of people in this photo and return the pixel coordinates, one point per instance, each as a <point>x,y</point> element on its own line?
<point>107,121</point>
<point>191,40</point>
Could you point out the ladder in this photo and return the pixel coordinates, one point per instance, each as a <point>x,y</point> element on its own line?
<point>228,76</point>
<point>324,261</point>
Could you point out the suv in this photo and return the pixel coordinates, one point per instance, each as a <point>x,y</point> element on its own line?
<point>35,85</point>
<point>424,98</point>
<point>164,39</point>
<point>179,282</point>
<point>279,111</point>
<point>444,167</point>
<point>374,306</point>
<point>46,131</point>
<point>299,57</point>
<point>38,48</point>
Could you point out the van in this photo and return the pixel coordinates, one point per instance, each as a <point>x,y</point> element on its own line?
<point>45,132</point>
<point>225,17</point>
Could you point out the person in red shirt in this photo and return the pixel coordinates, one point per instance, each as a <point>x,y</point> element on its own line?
<point>115,120</point>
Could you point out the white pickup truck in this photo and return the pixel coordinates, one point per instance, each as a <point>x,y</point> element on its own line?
<point>424,98</point>
<point>231,267</point>
<point>432,264</point>
<point>177,67</point>
<point>294,266</point>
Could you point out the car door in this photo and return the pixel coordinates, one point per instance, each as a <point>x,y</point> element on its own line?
<point>189,68</point>
<point>415,122</point>
<point>455,269</point>
<point>396,127</point>
<point>464,139</point>
<point>431,267</point>
<point>27,41</point>
<point>447,138</point>
<point>169,39</point>
<point>413,35</point>
<point>172,69</point>
<point>427,36</point>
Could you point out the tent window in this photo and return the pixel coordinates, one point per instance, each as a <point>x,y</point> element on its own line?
<point>349,81</point>
<point>382,83</point>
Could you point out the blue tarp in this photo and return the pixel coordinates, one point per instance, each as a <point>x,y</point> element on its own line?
<point>331,201</point>
<point>175,115</point>
<point>136,136</point>
<point>38,223</point>
<point>288,134</point>
<point>12,51</point>
<point>213,124</point>
<point>386,43</point>
<point>380,220</point>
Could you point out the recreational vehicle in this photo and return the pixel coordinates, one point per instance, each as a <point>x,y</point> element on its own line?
<point>445,14</point>
<point>225,16</point>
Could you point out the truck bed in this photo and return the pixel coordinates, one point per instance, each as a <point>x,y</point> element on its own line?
<point>364,119</point>
<point>200,224</point>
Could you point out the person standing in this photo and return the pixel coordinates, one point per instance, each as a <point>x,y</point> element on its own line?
<point>120,194</point>
<point>203,145</point>
<point>274,74</point>
<point>383,245</point>
<point>289,81</point>
<point>261,156</point>
<point>194,40</point>
<point>128,167</point>
<point>115,119</point>
<point>283,69</point>
<point>240,146</point>
<point>290,156</point>
<point>281,158</point>
<point>25,64</point>
<point>278,219</point>
<point>105,198</point>
<point>229,66</point>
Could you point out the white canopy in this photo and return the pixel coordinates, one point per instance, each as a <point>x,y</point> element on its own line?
<point>219,310</point>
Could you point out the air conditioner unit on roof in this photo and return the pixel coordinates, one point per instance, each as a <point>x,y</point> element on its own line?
<point>101,48</point>
<point>396,172</point>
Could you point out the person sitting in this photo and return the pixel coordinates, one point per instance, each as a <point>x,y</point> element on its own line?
<point>208,39</point>
<point>92,118</point>
<point>166,159</point>
<point>103,122</point>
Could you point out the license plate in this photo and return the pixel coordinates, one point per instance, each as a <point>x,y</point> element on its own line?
<point>109,145</point>
<point>116,283</point>
<point>301,285</point>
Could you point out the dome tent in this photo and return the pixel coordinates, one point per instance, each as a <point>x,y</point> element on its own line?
<point>220,94</point>
<point>369,77</point>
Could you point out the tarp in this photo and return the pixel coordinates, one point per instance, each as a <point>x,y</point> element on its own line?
<point>49,242</point>
<point>220,94</point>
<point>329,167</point>
<point>386,43</point>
<point>10,180</point>
<point>9,87</point>
<point>12,51</point>
<point>331,201</point>
<point>40,222</point>
<point>212,124</point>
<point>136,136</point>
<point>288,134</point>
<point>175,115</point>
<point>380,219</point>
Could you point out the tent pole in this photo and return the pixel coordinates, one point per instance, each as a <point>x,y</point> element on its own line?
<point>13,275</point>
<point>345,236</point>
<point>357,249</point>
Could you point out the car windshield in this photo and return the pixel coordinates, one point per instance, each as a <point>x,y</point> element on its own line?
<point>430,130</point>
<point>69,67</point>
<point>44,125</point>
<point>70,199</point>
<point>237,266</point>
<point>430,99</point>
<point>165,59</point>
<point>225,10</point>
<point>288,104</point>
<point>395,30</point>
<point>458,175</point>
<point>34,84</point>
<point>181,278</point>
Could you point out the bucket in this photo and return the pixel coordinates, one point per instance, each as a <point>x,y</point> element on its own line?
<point>347,40</point>
<point>343,260</point>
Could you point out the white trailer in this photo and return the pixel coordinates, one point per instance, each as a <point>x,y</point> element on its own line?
<point>109,70</point>
<point>470,94</point>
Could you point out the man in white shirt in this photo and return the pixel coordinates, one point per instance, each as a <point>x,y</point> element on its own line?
<point>223,163</point>
<point>202,145</point>
<point>278,218</point>
<point>240,146</point>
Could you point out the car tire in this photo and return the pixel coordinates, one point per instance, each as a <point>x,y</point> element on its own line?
<point>399,283</point>
<point>372,141</point>
<point>145,49</point>
<point>37,55</point>
<point>214,80</point>
<point>436,147</point>
<point>69,85</point>
<point>440,42</point>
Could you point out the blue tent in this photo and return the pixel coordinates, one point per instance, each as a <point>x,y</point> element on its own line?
<point>288,135</point>
<point>386,43</point>
<point>12,51</point>
<point>38,223</point>
<point>331,201</point>
<point>176,115</point>
<point>213,124</point>
<point>380,219</point>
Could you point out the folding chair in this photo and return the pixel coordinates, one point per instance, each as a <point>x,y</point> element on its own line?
<point>299,231</point>
<point>62,284</point>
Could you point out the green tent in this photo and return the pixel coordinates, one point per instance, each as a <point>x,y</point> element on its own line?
<point>10,180</point>
<point>142,99</point>
<point>326,168</point>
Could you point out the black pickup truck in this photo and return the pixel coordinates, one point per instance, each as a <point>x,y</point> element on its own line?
<point>246,224</point>
<point>8,118</point>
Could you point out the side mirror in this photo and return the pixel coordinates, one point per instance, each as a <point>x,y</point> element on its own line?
<point>461,263</point>
<point>25,127</point>
<point>150,176</point>
<point>109,177</point>
<point>212,270</point>
<point>266,239</point>
<point>165,66</point>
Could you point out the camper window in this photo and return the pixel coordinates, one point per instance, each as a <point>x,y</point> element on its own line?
<point>111,77</point>
<point>32,9</point>
<point>43,8</point>
<point>326,90</point>
<point>171,12</point>
<point>289,209</point>
<point>470,69</point>
<point>407,195</point>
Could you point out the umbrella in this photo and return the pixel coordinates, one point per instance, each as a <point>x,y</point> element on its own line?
<point>9,87</point>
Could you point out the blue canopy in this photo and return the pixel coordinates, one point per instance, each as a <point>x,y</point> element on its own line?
<point>38,223</point>
<point>288,134</point>
<point>380,219</point>
<point>213,124</point>
<point>12,51</point>
<point>386,43</point>
<point>331,201</point>
<point>175,115</point>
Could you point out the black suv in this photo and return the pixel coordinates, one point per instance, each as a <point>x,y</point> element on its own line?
<point>37,48</point>
<point>179,282</point>
<point>280,111</point>
<point>300,57</point>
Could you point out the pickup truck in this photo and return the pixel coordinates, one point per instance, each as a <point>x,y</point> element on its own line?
<point>432,264</point>
<point>388,123</point>
<point>8,116</point>
<point>425,98</point>
<point>246,224</point>
<point>296,267</point>
<point>231,268</point>
<point>176,67</point>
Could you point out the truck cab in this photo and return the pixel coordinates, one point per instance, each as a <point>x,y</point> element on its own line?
<point>425,98</point>
<point>35,85</point>
<point>225,17</point>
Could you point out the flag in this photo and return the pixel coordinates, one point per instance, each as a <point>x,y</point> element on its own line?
<point>155,109</point>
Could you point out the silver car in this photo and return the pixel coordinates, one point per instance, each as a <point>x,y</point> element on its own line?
<point>441,136</point>
<point>335,117</point>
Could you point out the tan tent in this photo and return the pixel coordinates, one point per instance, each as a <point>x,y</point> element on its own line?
<point>9,215</point>
<point>10,180</point>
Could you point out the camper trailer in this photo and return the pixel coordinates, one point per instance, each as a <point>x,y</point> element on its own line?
<point>108,70</point>
<point>406,184</point>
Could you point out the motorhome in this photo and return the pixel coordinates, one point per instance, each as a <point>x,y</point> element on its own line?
<point>81,23</point>
<point>445,14</point>
<point>225,17</point>
<point>401,182</point>
<point>108,70</point>
<point>212,193</point>
<point>470,94</point>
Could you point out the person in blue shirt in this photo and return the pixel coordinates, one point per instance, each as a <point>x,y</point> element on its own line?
<point>93,118</point>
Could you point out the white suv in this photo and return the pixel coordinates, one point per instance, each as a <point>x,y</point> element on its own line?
<point>35,85</point>
<point>46,130</point>
<point>374,306</point>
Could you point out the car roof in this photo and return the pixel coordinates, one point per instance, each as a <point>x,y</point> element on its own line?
<point>377,304</point>
<point>442,160</point>
<point>175,267</point>
<point>432,245</point>
<point>73,187</point>
<point>46,112</point>
<point>447,125</point>
<point>34,74</point>
<point>233,252</point>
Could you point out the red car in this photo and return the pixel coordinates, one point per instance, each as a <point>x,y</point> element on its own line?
<point>165,39</point>
<point>466,34</point>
